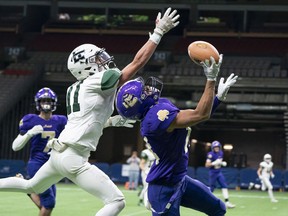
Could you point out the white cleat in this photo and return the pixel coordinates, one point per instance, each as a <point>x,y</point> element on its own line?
<point>19,175</point>
<point>274,200</point>
<point>229,205</point>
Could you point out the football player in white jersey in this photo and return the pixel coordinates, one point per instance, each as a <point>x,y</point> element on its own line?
<point>265,172</point>
<point>90,103</point>
<point>147,159</point>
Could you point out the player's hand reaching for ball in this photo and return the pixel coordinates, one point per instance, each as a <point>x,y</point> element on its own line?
<point>211,68</point>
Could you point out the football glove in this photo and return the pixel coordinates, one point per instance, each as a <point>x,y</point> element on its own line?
<point>37,129</point>
<point>56,145</point>
<point>224,163</point>
<point>119,121</point>
<point>217,162</point>
<point>272,176</point>
<point>223,87</point>
<point>164,24</point>
<point>211,68</point>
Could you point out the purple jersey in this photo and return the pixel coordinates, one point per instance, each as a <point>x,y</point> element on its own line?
<point>212,156</point>
<point>52,128</point>
<point>170,149</point>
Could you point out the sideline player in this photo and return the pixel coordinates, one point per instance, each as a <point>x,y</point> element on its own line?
<point>214,162</point>
<point>147,159</point>
<point>90,103</point>
<point>38,129</point>
<point>265,172</point>
<point>166,131</point>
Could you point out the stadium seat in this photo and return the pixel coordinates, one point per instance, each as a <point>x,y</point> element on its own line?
<point>10,168</point>
<point>105,167</point>
<point>247,175</point>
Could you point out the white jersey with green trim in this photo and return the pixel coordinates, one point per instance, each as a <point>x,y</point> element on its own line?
<point>89,103</point>
<point>266,168</point>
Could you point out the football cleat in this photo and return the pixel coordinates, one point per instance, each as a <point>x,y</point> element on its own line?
<point>19,175</point>
<point>274,200</point>
<point>251,185</point>
<point>230,205</point>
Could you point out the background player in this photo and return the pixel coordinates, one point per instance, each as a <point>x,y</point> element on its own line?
<point>147,159</point>
<point>214,162</point>
<point>166,131</point>
<point>90,103</point>
<point>38,129</point>
<point>265,172</point>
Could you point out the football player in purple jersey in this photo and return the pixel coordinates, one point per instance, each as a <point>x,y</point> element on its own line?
<point>37,130</point>
<point>166,130</point>
<point>214,162</point>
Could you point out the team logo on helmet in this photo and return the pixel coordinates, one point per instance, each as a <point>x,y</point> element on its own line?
<point>46,100</point>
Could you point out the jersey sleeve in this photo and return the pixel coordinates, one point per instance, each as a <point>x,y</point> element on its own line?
<point>209,156</point>
<point>103,81</point>
<point>159,118</point>
<point>26,123</point>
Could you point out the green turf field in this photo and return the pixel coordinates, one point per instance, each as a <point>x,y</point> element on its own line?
<point>72,201</point>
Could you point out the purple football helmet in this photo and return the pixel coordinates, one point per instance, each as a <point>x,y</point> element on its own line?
<point>48,99</point>
<point>215,144</point>
<point>135,97</point>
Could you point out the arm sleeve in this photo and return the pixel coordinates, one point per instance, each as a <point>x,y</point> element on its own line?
<point>216,103</point>
<point>20,142</point>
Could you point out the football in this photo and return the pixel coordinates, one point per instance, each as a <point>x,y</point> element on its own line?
<point>200,50</point>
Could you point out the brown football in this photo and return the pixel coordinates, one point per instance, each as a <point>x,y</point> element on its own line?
<point>200,50</point>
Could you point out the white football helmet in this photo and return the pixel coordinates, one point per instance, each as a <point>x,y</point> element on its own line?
<point>88,59</point>
<point>267,157</point>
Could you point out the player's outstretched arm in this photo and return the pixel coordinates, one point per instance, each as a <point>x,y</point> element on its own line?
<point>163,24</point>
<point>21,140</point>
<point>189,117</point>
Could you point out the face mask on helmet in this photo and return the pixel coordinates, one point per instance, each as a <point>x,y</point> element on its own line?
<point>88,59</point>
<point>215,144</point>
<point>267,157</point>
<point>46,100</point>
<point>136,97</point>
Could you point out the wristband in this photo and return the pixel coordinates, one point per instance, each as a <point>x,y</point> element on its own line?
<point>155,37</point>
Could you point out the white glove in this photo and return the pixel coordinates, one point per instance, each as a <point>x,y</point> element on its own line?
<point>211,68</point>
<point>224,163</point>
<point>217,162</point>
<point>37,129</point>
<point>56,145</point>
<point>164,24</point>
<point>119,121</point>
<point>260,177</point>
<point>223,87</point>
<point>272,175</point>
